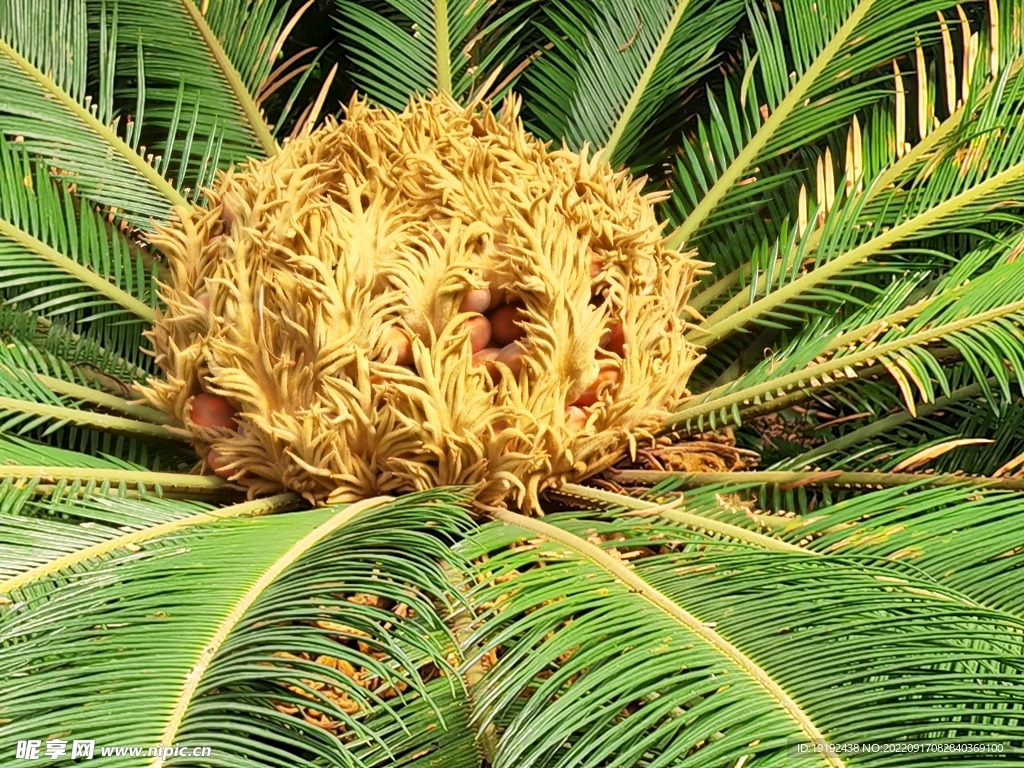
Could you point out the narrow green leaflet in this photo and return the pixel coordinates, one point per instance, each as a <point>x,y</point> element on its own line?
<point>65,390</point>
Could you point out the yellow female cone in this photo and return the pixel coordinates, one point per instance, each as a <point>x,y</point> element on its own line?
<point>324,292</point>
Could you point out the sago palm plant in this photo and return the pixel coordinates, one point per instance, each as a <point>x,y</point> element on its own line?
<point>514,383</point>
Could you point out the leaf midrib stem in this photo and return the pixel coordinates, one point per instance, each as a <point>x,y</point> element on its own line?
<point>628,577</point>
<point>442,47</point>
<point>151,174</point>
<point>207,654</point>
<point>252,113</point>
<point>768,129</point>
<point>857,358</point>
<point>860,253</point>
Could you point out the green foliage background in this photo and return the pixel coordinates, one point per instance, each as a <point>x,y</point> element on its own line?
<point>851,170</point>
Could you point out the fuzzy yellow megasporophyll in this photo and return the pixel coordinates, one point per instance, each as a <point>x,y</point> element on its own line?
<point>321,292</point>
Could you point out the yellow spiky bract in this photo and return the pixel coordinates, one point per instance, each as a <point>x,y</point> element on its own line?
<point>312,258</point>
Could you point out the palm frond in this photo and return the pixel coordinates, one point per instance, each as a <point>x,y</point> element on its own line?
<point>66,133</point>
<point>44,535</point>
<point>55,33</point>
<point>612,67</point>
<point>32,402</point>
<point>717,652</point>
<point>277,593</point>
<point>48,400</point>
<point>875,146</point>
<point>60,259</point>
<point>976,313</point>
<point>20,453</point>
<point>887,442</point>
<point>112,369</point>
<point>952,187</point>
<point>836,50</point>
<point>444,46</point>
<point>202,66</point>
<point>731,233</point>
<point>27,402</point>
<point>25,362</point>
<point>963,541</point>
<point>956,533</point>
